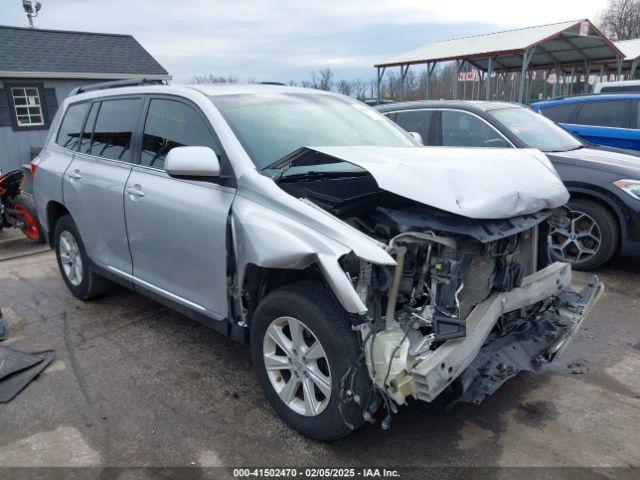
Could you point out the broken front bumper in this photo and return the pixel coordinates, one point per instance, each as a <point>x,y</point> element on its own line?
<point>484,363</point>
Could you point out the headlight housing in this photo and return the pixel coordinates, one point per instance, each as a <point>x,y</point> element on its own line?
<point>632,187</point>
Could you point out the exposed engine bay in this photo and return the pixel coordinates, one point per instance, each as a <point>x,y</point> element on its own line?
<point>447,267</point>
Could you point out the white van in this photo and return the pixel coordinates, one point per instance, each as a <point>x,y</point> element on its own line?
<point>623,86</point>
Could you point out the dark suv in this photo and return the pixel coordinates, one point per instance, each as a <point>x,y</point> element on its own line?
<point>604,182</point>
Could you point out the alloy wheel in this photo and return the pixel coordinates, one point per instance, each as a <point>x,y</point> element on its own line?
<point>297,366</point>
<point>578,242</point>
<point>70,258</point>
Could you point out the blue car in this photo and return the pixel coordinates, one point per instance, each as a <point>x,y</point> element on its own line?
<point>611,120</point>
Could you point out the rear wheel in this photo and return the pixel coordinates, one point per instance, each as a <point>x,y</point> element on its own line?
<point>31,227</point>
<point>591,238</point>
<point>74,263</point>
<point>302,346</point>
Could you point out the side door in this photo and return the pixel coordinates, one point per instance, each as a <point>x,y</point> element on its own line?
<point>420,121</point>
<point>94,182</point>
<point>177,228</point>
<point>603,122</point>
<point>459,128</point>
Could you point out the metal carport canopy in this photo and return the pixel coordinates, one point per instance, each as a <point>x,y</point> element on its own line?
<point>565,44</point>
<point>631,50</point>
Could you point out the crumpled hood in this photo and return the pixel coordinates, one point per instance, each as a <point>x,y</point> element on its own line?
<point>483,183</point>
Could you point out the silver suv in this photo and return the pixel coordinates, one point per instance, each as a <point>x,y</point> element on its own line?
<point>361,268</point>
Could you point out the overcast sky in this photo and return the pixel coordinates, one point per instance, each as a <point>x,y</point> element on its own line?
<point>286,39</point>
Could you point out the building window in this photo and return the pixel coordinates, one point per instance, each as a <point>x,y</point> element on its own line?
<point>27,105</point>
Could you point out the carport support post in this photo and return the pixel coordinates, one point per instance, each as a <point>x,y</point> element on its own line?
<point>430,68</point>
<point>634,66</point>
<point>571,84</point>
<point>526,59</point>
<point>464,80</point>
<point>455,80</point>
<point>403,76</point>
<point>587,74</point>
<point>379,85</point>
<point>573,81</point>
<point>557,69</point>
<point>489,73</point>
<point>619,69</point>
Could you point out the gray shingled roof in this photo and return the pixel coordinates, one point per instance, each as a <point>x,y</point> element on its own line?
<point>35,50</point>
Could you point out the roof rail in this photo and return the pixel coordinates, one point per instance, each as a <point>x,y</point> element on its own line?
<point>115,84</point>
<point>273,83</point>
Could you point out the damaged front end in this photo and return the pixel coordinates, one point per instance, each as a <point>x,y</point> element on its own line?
<point>472,299</point>
<point>462,312</point>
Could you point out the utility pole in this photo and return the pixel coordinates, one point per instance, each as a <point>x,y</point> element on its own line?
<point>31,10</point>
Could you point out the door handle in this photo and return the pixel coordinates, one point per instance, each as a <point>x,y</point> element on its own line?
<point>135,191</point>
<point>75,175</point>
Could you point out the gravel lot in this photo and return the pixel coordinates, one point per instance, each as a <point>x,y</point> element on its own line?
<point>135,384</point>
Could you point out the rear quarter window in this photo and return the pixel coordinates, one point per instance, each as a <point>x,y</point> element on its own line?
<point>559,113</point>
<point>71,126</point>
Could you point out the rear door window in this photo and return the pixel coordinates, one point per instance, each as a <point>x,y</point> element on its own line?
<point>603,114</point>
<point>115,124</point>
<point>559,113</point>
<point>462,129</point>
<point>170,124</point>
<point>416,121</point>
<point>71,126</point>
<point>87,133</point>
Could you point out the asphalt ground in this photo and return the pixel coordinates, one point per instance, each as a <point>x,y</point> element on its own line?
<point>135,384</point>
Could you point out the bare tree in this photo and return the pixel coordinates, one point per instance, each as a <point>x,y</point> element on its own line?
<point>210,78</point>
<point>621,19</point>
<point>322,79</point>
<point>359,88</point>
<point>344,87</point>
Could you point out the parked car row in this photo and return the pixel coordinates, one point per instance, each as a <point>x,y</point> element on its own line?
<point>604,183</point>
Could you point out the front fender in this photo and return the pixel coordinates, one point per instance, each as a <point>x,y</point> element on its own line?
<point>269,239</point>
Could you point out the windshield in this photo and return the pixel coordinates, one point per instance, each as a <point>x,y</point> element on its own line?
<point>535,130</point>
<point>272,125</point>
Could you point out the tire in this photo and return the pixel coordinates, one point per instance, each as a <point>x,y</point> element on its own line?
<point>87,284</point>
<point>33,229</point>
<point>322,315</point>
<point>602,246</point>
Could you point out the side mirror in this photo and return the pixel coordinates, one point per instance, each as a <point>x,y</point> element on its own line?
<point>192,162</point>
<point>417,137</point>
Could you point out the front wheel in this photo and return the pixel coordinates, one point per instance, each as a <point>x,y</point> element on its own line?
<point>302,346</point>
<point>591,238</point>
